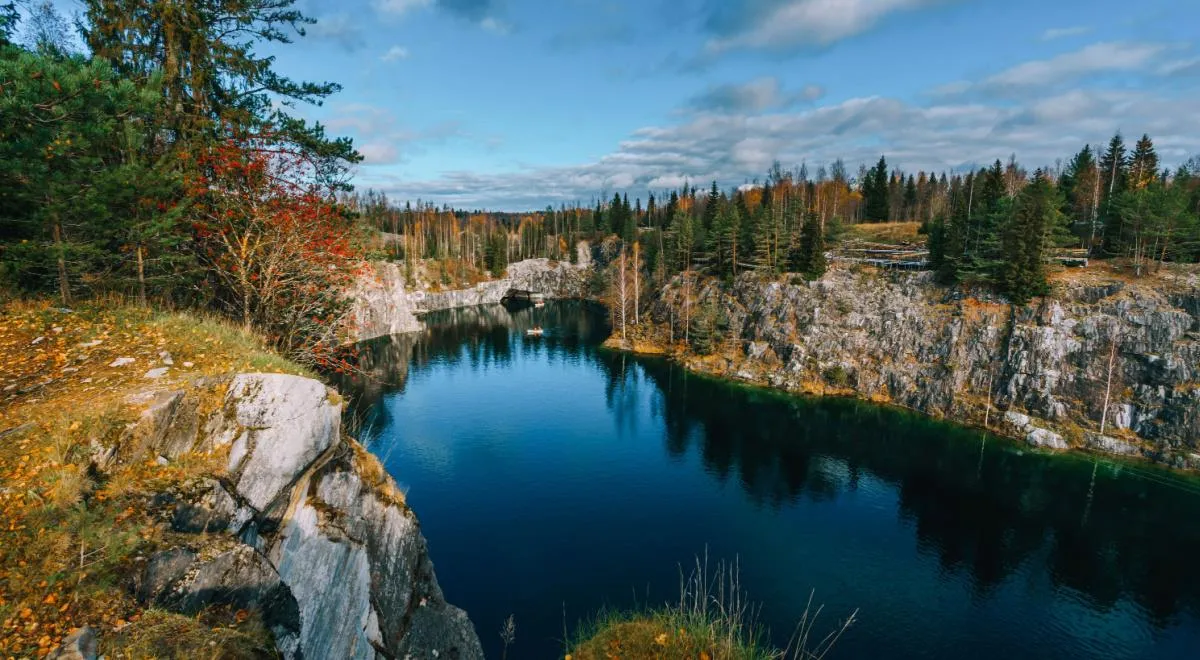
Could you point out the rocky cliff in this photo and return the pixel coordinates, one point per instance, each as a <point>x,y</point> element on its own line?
<point>385,305</point>
<point>300,523</point>
<point>1039,372</point>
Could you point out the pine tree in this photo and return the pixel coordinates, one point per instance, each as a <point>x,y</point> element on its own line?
<point>711,206</point>
<point>1080,185</point>
<point>1029,235</point>
<point>875,193</point>
<point>811,260</point>
<point>1143,165</point>
<point>1114,180</point>
<point>214,79</point>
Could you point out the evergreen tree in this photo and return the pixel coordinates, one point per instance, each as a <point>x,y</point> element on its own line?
<point>910,199</point>
<point>1143,165</point>
<point>711,206</point>
<point>1029,236</point>
<point>811,261</point>
<point>214,79</point>
<point>875,193</point>
<point>1080,186</point>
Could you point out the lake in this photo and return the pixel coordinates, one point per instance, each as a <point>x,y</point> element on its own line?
<point>554,478</point>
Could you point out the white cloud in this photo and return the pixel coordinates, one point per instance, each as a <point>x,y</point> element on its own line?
<point>339,29</point>
<point>755,96</point>
<point>1096,58</point>
<point>495,25</point>
<point>395,53</point>
<point>735,148</point>
<point>1064,32</point>
<point>400,7</point>
<point>793,23</point>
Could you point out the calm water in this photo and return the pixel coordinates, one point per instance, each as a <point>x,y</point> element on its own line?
<point>553,478</point>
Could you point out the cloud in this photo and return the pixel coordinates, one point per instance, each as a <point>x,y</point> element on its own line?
<point>495,25</point>
<point>382,140</point>
<point>478,12</point>
<point>789,24</point>
<point>394,54</point>
<point>338,29</point>
<point>1096,59</point>
<point>752,97</point>
<point>400,7</point>
<point>735,148</point>
<point>1064,32</point>
<point>1181,68</point>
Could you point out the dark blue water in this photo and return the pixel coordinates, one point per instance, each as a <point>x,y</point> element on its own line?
<point>553,478</point>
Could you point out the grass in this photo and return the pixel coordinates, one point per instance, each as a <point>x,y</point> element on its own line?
<point>885,232</point>
<point>73,535</point>
<point>170,636</point>
<point>713,620</point>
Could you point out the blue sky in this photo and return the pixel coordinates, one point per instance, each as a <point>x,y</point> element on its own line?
<point>514,104</point>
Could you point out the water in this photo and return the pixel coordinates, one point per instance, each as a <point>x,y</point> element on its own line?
<point>553,478</point>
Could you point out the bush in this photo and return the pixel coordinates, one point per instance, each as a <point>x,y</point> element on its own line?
<point>837,376</point>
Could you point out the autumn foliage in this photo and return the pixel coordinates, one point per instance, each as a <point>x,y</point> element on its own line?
<point>277,246</point>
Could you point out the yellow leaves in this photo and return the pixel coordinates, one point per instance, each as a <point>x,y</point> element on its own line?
<point>661,640</point>
<point>50,599</point>
<point>704,656</point>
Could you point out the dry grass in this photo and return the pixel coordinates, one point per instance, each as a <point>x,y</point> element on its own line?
<point>712,620</point>
<point>169,636</point>
<point>898,233</point>
<point>74,534</point>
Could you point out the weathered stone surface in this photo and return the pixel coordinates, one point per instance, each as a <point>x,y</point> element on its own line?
<point>360,568</point>
<point>81,644</point>
<point>213,512</point>
<point>385,306</point>
<point>162,571</point>
<point>242,578</point>
<point>955,353</point>
<point>337,564</point>
<point>1111,445</point>
<point>1046,439</point>
<point>280,425</point>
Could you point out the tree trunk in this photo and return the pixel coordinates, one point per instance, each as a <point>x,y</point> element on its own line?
<point>141,269</point>
<point>636,283</point>
<point>64,285</point>
<point>1112,356</point>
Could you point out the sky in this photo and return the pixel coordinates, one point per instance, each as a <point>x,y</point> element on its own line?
<point>516,104</point>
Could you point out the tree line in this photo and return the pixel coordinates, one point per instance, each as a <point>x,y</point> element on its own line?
<point>155,156</point>
<point>999,226</point>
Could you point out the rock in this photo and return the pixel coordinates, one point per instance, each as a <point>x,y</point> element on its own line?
<point>281,424</point>
<point>37,341</point>
<point>90,344</point>
<point>1017,419</point>
<point>188,365</point>
<point>1110,445</point>
<point>157,372</point>
<point>166,358</point>
<point>243,579</point>
<point>162,572</point>
<point>384,305</point>
<point>122,361</point>
<point>81,644</point>
<point>213,512</point>
<point>1047,439</point>
<point>360,569</point>
<point>162,460</point>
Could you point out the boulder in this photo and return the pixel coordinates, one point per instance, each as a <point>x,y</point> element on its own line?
<point>280,425</point>
<point>81,644</point>
<point>1046,439</point>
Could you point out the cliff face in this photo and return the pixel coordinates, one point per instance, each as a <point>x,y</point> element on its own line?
<point>302,524</point>
<point>1040,372</point>
<point>386,306</point>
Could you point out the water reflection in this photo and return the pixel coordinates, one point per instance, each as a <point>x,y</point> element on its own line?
<point>983,507</point>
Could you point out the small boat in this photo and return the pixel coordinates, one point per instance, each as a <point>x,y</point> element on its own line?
<point>537,304</point>
<point>535,331</point>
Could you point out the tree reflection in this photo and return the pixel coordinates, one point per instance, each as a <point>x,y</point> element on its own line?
<point>981,505</point>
